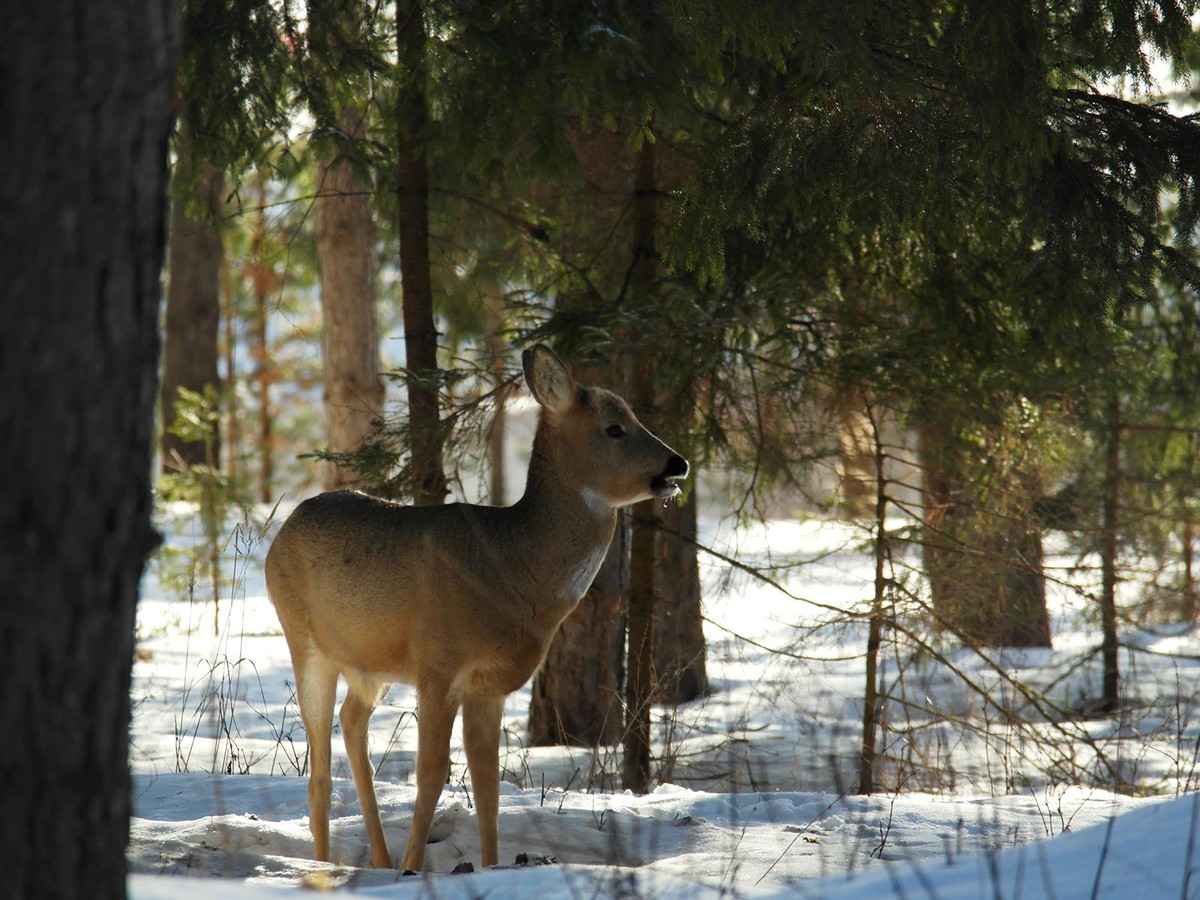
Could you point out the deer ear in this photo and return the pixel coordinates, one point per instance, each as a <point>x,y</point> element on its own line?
<point>548,379</point>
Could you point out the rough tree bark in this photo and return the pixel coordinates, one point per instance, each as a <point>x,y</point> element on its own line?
<point>193,293</point>
<point>350,328</point>
<point>420,333</point>
<point>81,221</point>
<point>576,694</point>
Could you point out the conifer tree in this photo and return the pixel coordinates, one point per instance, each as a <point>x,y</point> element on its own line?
<point>340,48</point>
<point>232,110</point>
<point>426,434</point>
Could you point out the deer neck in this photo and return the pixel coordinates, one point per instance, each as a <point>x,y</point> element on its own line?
<point>571,526</point>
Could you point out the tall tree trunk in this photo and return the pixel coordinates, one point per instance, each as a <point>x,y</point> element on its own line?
<point>1190,601</point>
<point>577,691</point>
<point>190,350</point>
<point>590,654</point>
<point>497,475</point>
<point>264,282</point>
<point>1110,524</point>
<point>679,648</point>
<point>78,360</point>
<point>263,378</point>
<point>350,329</point>
<point>233,427</point>
<point>640,676</point>
<point>420,333</point>
<point>868,758</point>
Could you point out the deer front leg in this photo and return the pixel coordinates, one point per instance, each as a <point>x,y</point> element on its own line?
<point>481,739</point>
<point>435,711</point>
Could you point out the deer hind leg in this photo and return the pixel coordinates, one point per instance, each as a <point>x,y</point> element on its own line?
<point>481,739</point>
<point>435,721</point>
<point>316,691</point>
<point>362,698</point>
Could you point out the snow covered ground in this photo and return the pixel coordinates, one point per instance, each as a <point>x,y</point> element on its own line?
<point>753,790</point>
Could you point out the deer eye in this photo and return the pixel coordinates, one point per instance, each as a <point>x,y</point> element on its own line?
<point>615,431</point>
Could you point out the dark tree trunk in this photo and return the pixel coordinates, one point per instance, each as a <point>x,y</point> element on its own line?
<point>576,693</point>
<point>868,757</point>
<point>1111,701</point>
<point>497,474</point>
<point>678,623</point>
<point>640,675</point>
<point>984,564</point>
<point>420,333</point>
<point>81,223</point>
<point>193,311</point>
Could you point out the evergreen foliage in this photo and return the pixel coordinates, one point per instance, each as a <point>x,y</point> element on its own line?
<point>971,217</point>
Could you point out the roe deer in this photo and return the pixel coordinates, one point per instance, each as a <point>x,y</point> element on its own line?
<point>459,600</point>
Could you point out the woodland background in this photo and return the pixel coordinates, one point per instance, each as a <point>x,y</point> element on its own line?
<point>929,268</point>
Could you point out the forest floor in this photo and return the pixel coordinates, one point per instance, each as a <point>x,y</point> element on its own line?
<point>990,787</point>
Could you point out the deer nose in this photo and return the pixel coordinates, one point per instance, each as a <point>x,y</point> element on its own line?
<point>677,467</point>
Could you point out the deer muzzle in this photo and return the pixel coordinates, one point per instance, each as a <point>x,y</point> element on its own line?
<point>666,484</point>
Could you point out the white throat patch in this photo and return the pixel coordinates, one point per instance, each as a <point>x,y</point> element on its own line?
<point>595,502</point>
<point>580,578</point>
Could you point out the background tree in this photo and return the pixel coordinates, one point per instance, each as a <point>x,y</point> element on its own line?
<point>232,110</point>
<point>426,433</point>
<point>339,39</point>
<point>193,300</point>
<point>82,213</point>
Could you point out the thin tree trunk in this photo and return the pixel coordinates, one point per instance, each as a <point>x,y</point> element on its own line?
<point>497,476</point>
<point>350,330</point>
<point>1111,701</point>
<point>420,333</point>
<point>262,283</point>
<point>193,293</point>
<point>868,753</point>
<point>639,685</point>
<point>1188,538</point>
<point>82,223</point>
<point>233,426</point>
<point>262,359</point>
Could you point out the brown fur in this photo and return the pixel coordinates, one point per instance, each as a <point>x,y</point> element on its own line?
<point>459,600</point>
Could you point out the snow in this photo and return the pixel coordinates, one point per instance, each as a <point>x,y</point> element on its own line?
<point>752,794</point>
